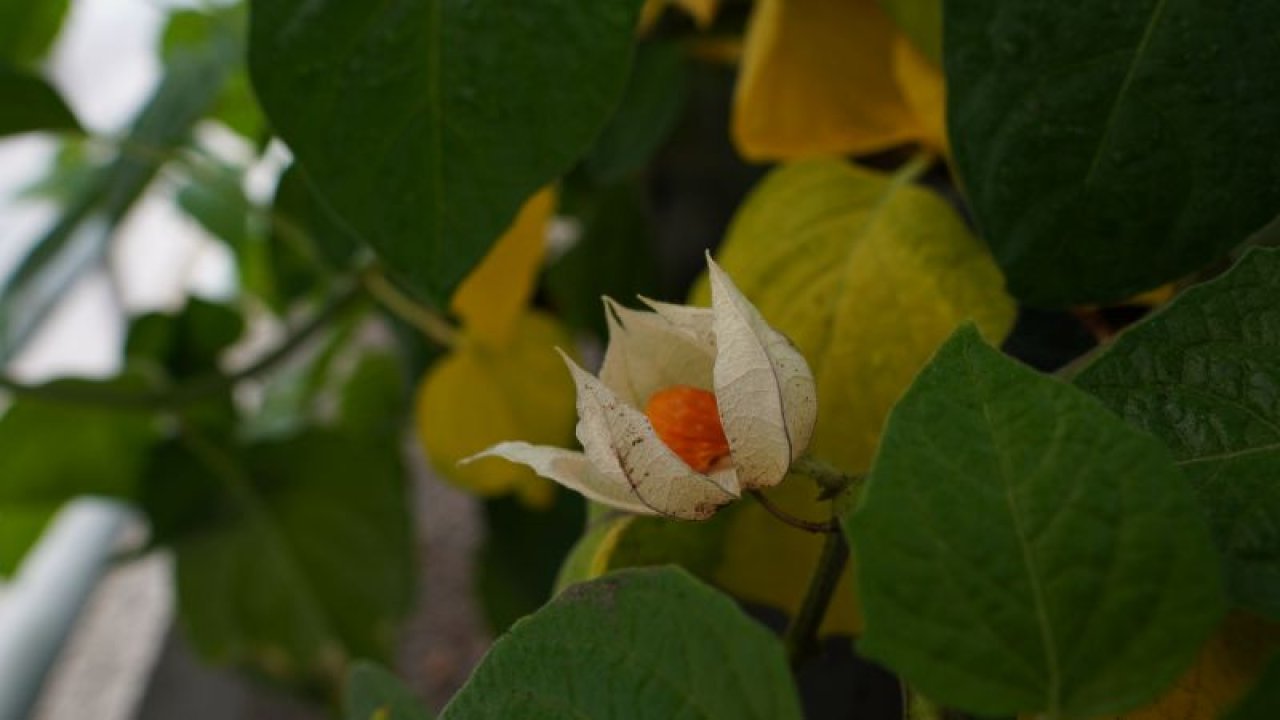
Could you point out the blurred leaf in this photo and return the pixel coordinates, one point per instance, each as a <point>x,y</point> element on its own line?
<point>1230,663</point>
<point>307,562</point>
<point>522,551</point>
<point>430,161</point>
<point>214,197</point>
<point>185,344</point>
<point>29,103</point>
<point>307,240</point>
<point>375,694</point>
<point>188,31</point>
<point>493,297</point>
<point>1202,375</point>
<point>650,643</point>
<point>1107,149</point>
<point>78,239</point>
<point>55,451</point>
<point>28,27</point>
<point>373,397</point>
<point>1021,549</point>
<point>478,396</point>
<point>818,79</point>
<point>650,107</point>
<point>70,175</point>
<point>614,255</point>
<point>703,12</point>
<point>921,21</point>
<point>873,275</point>
<point>1263,702</point>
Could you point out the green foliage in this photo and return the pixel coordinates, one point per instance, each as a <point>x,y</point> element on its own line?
<point>1202,376</point>
<point>426,125</point>
<point>1263,702</point>
<point>1106,148</point>
<point>27,29</point>
<point>1020,549</point>
<point>650,643</point>
<point>31,104</point>
<point>375,694</point>
<point>921,20</point>
<point>56,450</point>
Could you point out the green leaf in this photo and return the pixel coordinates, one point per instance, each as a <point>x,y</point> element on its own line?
<point>921,20</point>
<point>188,31</point>
<point>426,124</point>
<point>186,344</point>
<point>375,694</point>
<point>523,547</point>
<point>1202,375</point>
<point>27,28</point>
<point>1109,148</point>
<point>1022,550</point>
<point>29,103</point>
<point>56,451</point>
<point>652,643</point>
<point>874,274</point>
<point>1263,702</point>
<point>304,560</point>
<point>654,97</point>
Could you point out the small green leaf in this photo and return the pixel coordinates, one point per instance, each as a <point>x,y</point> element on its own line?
<point>1022,550</point>
<point>56,451</point>
<point>28,103</point>
<point>1107,148</point>
<point>426,125</point>
<point>305,558</point>
<point>1202,375</point>
<point>375,694</point>
<point>652,643</point>
<point>27,28</point>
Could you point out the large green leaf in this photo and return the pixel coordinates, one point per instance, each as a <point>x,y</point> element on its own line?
<point>375,694</point>
<point>27,28</point>
<point>55,451</point>
<point>1023,550</point>
<point>1111,147</point>
<point>302,559</point>
<point>1203,375</point>
<point>427,123</point>
<point>29,103</point>
<point>651,643</point>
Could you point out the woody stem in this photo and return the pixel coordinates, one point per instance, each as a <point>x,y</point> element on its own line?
<point>801,638</point>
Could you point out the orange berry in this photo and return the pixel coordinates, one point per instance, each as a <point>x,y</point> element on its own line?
<point>688,421</point>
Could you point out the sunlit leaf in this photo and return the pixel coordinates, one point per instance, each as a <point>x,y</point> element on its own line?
<point>652,643</point>
<point>492,298</point>
<point>1023,550</point>
<point>818,77</point>
<point>867,275</point>
<point>477,396</point>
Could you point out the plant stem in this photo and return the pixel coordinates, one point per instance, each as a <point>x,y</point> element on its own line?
<point>425,319</point>
<point>192,391</point>
<point>830,478</point>
<point>788,519</point>
<point>802,635</point>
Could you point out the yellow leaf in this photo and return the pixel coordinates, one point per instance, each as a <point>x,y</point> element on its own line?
<point>925,91</point>
<point>492,297</point>
<point>703,12</point>
<point>818,78</point>
<point>1227,667</point>
<point>477,396</point>
<point>868,275</point>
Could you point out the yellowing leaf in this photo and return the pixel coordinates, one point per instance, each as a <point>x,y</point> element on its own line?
<point>494,295</point>
<point>818,78</point>
<point>925,91</point>
<point>868,275</point>
<point>1228,665</point>
<point>703,12</point>
<point>478,396</point>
